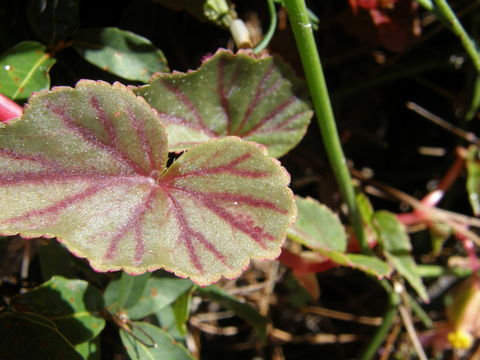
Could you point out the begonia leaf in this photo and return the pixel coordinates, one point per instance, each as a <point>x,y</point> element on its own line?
<point>255,98</point>
<point>87,165</point>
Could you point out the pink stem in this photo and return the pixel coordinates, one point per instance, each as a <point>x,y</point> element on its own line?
<point>9,109</point>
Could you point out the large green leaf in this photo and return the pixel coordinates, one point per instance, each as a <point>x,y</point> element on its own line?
<point>28,336</point>
<point>120,52</point>
<point>154,343</point>
<point>87,165</point>
<point>24,69</point>
<point>73,305</point>
<point>256,98</point>
<point>397,249</point>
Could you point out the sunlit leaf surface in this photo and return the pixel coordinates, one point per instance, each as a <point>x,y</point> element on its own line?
<point>87,165</point>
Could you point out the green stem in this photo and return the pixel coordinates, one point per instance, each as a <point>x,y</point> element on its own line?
<point>446,11</point>
<point>271,28</point>
<point>302,29</point>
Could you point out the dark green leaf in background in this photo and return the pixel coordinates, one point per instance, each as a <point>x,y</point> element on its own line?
<point>29,336</point>
<point>120,52</point>
<point>73,305</point>
<point>155,344</point>
<point>53,20</point>
<point>24,69</point>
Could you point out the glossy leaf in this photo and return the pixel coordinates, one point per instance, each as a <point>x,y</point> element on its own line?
<point>28,336</point>
<point>397,249</point>
<point>317,227</point>
<point>245,311</point>
<point>255,98</point>
<point>73,305</point>
<point>131,289</point>
<point>120,52</point>
<point>87,165</point>
<point>473,179</point>
<point>24,69</point>
<point>164,346</point>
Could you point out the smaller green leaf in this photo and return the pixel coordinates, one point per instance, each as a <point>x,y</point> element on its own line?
<point>397,249</point>
<point>24,69</point>
<point>154,343</point>
<point>120,52</point>
<point>55,260</point>
<point>317,227</point>
<point>473,179</point>
<point>28,336</point>
<point>73,305</point>
<point>90,350</point>
<point>245,311</point>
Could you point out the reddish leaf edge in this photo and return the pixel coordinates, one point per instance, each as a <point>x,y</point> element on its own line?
<point>138,271</point>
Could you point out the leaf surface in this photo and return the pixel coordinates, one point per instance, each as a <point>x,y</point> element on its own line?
<point>24,69</point>
<point>166,347</point>
<point>120,52</point>
<point>87,165</point>
<point>473,179</point>
<point>73,305</point>
<point>255,98</point>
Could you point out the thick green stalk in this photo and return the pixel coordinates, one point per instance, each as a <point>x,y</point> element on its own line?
<point>446,11</point>
<point>302,29</point>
